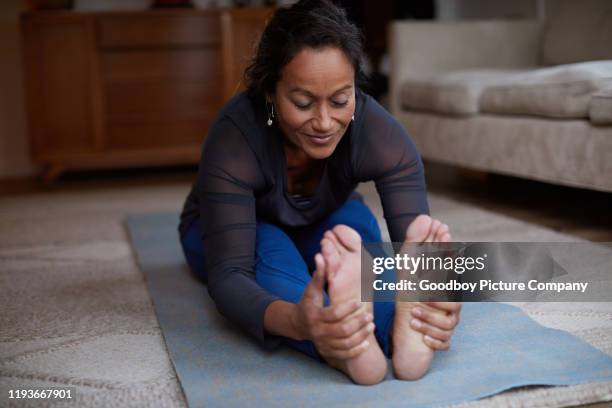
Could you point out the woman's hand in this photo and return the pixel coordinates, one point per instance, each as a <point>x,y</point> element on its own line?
<point>437,321</point>
<point>338,331</point>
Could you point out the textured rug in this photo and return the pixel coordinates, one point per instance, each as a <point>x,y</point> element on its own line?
<point>496,347</point>
<point>74,308</point>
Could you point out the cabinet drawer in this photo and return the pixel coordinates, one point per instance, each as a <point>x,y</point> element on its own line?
<point>159,30</point>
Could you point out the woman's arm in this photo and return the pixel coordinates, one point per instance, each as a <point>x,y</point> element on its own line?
<point>384,152</point>
<point>228,177</point>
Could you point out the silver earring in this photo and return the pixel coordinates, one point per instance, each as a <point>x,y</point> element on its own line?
<point>270,116</point>
<point>353,118</point>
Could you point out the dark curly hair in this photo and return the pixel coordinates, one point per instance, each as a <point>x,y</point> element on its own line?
<point>308,23</point>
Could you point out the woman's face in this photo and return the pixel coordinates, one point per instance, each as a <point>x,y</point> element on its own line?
<point>315,100</point>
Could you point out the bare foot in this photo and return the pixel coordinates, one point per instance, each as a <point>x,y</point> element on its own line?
<point>341,249</point>
<point>411,356</point>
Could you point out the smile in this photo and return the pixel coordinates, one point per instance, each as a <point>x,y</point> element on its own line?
<point>320,139</point>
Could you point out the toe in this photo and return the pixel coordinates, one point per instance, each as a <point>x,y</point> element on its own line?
<point>329,234</point>
<point>433,230</point>
<point>418,230</point>
<point>348,237</point>
<point>330,255</point>
<point>327,247</point>
<point>442,232</point>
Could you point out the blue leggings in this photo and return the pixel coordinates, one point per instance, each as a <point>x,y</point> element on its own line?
<point>285,259</point>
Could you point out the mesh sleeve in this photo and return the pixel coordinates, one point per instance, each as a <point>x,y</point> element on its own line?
<point>228,175</point>
<point>388,156</point>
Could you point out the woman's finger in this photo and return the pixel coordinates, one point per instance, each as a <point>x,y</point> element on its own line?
<point>431,331</point>
<point>349,326</point>
<point>446,306</point>
<point>436,318</point>
<point>313,293</point>
<point>344,354</point>
<point>340,311</point>
<point>352,341</point>
<point>436,344</point>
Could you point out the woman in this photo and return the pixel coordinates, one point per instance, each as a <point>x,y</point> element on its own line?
<point>272,217</point>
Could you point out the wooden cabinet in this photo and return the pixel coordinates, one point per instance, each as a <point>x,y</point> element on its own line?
<point>111,90</point>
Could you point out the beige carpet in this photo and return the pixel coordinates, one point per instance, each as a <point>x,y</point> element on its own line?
<point>74,309</point>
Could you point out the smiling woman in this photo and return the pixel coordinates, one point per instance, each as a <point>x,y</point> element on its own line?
<point>273,218</point>
<point>314,109</point>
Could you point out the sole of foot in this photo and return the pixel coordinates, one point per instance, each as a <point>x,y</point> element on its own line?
<point>411,356</point>
<point>341,248</point>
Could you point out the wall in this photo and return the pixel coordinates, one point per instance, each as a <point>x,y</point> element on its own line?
<point>14,155</point>
<point>487,9</point>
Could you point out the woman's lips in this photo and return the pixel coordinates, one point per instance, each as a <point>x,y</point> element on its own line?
<point>320,139</point>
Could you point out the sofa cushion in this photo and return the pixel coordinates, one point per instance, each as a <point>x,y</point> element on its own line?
<point>560,92</point>
<point>577,31</point>
<point>600,108</point>
<point>455,93</point>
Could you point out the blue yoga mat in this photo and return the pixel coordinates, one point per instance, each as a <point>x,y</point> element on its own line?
<point>495,347</point>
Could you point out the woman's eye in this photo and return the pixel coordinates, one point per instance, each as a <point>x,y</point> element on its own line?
<point>340,104</point>
<point>302,106</point>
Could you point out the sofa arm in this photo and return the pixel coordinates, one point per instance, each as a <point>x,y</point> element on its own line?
<point>423,48</point>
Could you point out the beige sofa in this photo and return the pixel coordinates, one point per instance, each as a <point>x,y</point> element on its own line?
<point>526,98</point>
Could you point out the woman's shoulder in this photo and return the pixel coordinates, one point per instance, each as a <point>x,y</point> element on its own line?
<point>372,112</point>
<point>372,120</point>
<point>379,142</point>
<point>232,148</point>
<point>243,111</point>
<point>240,116</point>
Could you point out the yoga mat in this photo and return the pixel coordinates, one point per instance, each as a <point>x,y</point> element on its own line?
<point>495,347</point>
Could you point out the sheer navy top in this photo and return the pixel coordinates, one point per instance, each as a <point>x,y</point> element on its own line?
<point>243,177</point>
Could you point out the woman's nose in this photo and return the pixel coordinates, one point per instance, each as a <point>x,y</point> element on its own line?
<point>323,121</point>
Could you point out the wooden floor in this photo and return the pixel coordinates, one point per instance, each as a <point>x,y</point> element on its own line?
<point>583,213</point>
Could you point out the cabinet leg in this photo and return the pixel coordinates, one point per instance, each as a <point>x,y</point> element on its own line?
<point>52,173</point>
